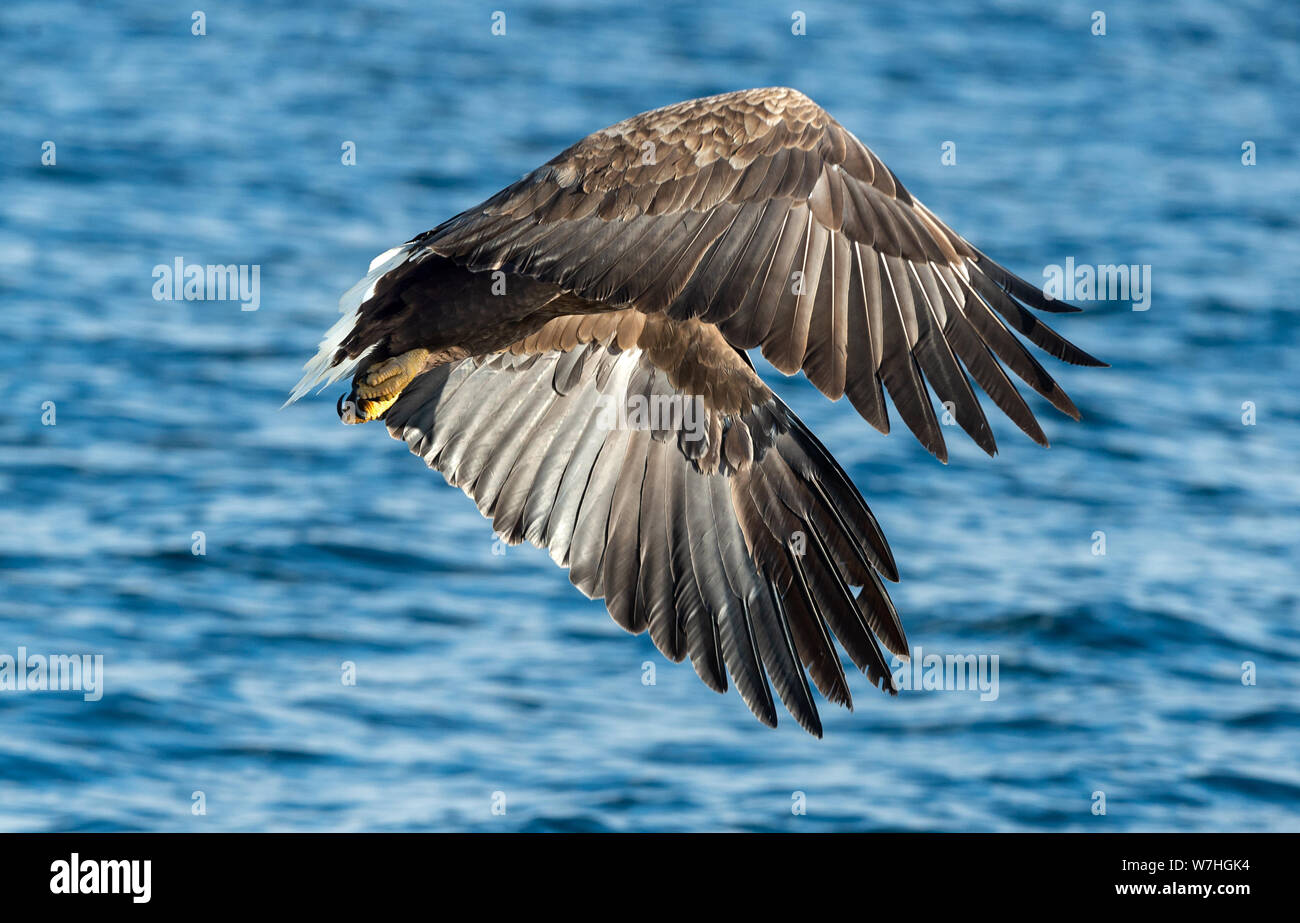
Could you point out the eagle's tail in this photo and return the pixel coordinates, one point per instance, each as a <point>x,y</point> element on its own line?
<point>331,362</point>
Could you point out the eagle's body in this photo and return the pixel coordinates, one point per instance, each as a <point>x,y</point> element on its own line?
<point>633,271</point>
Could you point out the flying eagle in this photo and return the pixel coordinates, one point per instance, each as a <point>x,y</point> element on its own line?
<point>635,270</point>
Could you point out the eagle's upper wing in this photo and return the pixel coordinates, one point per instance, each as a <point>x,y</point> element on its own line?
<point>759,212</point>
<point>727,531</point>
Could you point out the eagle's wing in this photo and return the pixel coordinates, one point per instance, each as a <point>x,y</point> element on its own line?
<point>760,213</point>
<point>725,529</point>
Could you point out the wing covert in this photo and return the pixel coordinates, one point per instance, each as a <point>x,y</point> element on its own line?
<point>760,213</point>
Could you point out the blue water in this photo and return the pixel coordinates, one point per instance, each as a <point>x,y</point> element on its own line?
<point>480,673</point>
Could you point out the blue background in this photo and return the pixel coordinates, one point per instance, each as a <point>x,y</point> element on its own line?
<point>480,673</point>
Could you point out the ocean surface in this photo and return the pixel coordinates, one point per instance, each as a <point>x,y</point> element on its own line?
<point>1163,674</point>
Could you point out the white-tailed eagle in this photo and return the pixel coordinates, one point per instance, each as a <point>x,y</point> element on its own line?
<point>632,272</point>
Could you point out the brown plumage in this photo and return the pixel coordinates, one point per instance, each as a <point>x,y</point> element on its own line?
<point>512,346</point>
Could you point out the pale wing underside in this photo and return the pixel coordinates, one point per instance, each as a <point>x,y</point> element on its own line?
<point>739,550</point>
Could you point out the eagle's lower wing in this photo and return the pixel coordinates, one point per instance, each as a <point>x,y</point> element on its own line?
<point>726,531</point>
<point>759,212</point>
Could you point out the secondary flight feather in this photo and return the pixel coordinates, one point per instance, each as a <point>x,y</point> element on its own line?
<point>572,353</point>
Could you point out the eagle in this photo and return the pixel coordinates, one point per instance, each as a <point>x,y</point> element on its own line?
<point>573,353</point>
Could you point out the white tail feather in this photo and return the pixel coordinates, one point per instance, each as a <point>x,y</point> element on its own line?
<point>321,370</point>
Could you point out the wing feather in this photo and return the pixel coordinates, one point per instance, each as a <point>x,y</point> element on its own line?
<point>745,190</point>
<point>690,542</point>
